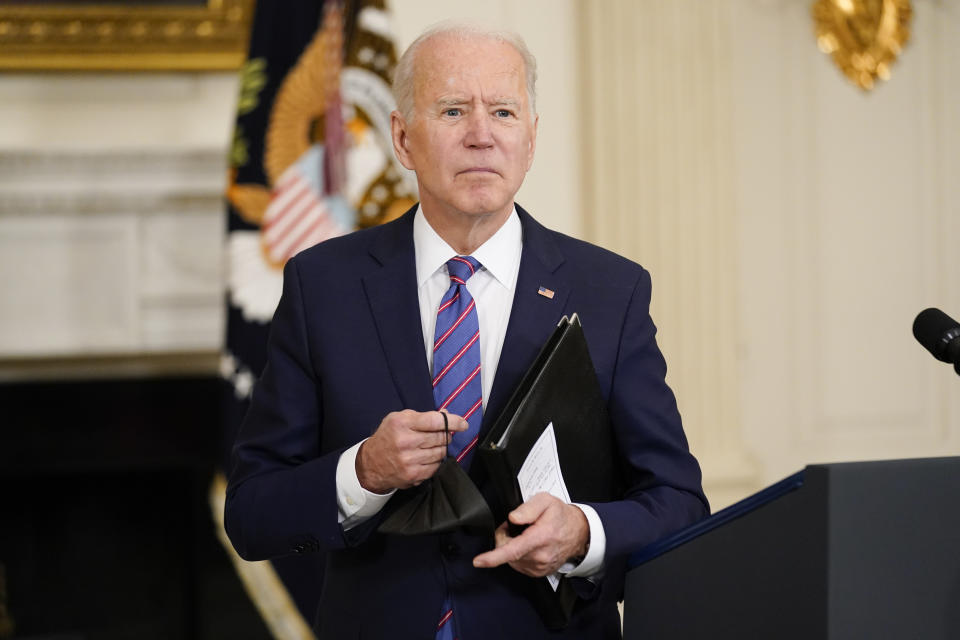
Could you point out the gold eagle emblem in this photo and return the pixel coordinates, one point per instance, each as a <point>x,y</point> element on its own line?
<point>864,37</point>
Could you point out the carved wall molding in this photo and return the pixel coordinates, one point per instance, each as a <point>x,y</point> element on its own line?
<point>112,254</point>
<point>40,163</point>
<point>78,183</point>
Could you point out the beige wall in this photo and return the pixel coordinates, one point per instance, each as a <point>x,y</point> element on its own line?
<point>793,225</point>
<point>847,226</point>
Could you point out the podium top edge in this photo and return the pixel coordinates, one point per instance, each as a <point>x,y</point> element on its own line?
<point>888,462</point>
<point>774,491</point>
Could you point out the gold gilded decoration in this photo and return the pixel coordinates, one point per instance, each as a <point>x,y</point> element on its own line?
<point>864,37</point>
<point>98,37</point>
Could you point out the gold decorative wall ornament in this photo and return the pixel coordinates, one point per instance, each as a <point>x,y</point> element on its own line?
<point>864,37</point>
<point>175,36</point>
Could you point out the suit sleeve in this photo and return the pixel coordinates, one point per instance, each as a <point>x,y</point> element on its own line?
<point>663,480</point>
<point>281,493</point>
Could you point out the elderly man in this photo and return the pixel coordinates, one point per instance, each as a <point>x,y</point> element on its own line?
<point>442,310</point>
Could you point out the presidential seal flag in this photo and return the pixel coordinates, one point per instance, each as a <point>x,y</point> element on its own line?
<point>311,158</point>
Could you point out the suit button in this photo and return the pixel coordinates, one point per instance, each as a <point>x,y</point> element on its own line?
<point>450,550</point>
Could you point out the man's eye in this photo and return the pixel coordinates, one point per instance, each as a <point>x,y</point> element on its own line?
<point>451,112</point>
<point>503,113</point>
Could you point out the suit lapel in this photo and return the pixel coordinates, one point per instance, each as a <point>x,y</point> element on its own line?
<point>392,294</point>
<point>533,316</point>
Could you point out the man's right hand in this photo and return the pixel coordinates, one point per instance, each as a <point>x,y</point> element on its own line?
<point>405,450</point>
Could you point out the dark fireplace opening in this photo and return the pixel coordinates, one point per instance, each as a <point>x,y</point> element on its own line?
<point>105,526</point>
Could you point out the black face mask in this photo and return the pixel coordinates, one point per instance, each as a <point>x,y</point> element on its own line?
<point>446,502</point>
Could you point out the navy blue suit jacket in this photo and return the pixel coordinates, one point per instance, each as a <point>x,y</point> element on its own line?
<point>346,348</point>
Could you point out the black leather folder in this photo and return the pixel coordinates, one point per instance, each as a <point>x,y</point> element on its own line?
<point>559,388</point>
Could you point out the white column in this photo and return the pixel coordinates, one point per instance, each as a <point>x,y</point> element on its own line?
<point>659,174</point>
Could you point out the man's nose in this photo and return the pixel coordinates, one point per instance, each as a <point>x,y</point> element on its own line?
<point>479,132</point>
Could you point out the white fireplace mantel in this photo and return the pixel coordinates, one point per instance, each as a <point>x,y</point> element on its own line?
<point>115,256</point>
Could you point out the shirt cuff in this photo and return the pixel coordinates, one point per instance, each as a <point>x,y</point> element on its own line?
<point>592,563</point>
<point>355,503</point>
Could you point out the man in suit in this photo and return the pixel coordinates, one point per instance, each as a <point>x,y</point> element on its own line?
<point>345,414</point>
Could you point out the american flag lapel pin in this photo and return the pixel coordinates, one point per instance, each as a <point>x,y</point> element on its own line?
<point>546,293</point>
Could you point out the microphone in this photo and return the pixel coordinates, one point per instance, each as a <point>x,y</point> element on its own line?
<point>939,334</point>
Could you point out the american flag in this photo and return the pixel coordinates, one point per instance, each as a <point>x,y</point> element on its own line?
<point>300,214</point>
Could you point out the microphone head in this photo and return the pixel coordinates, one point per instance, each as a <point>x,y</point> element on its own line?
<point>938,333</point>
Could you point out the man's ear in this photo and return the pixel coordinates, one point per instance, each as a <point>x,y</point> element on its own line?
<point>398,131</point>
<point>533,142</point>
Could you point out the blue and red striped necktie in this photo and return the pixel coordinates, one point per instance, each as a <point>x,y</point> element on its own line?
<point>456,357</point>
<point>456,377</point>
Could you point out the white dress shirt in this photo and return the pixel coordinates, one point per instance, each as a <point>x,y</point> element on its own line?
<point>492,287</point>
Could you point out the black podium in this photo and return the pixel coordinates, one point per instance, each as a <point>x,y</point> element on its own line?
<point>850,550</point>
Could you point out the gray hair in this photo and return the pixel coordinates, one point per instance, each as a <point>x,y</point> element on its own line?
<point>403,73</point>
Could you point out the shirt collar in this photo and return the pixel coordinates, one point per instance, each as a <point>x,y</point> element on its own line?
<point>500,255</point>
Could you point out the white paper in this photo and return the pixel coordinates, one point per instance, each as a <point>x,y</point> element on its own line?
<point>541,473</point>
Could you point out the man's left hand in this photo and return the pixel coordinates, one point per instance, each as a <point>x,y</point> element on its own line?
<point>557,532</point>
